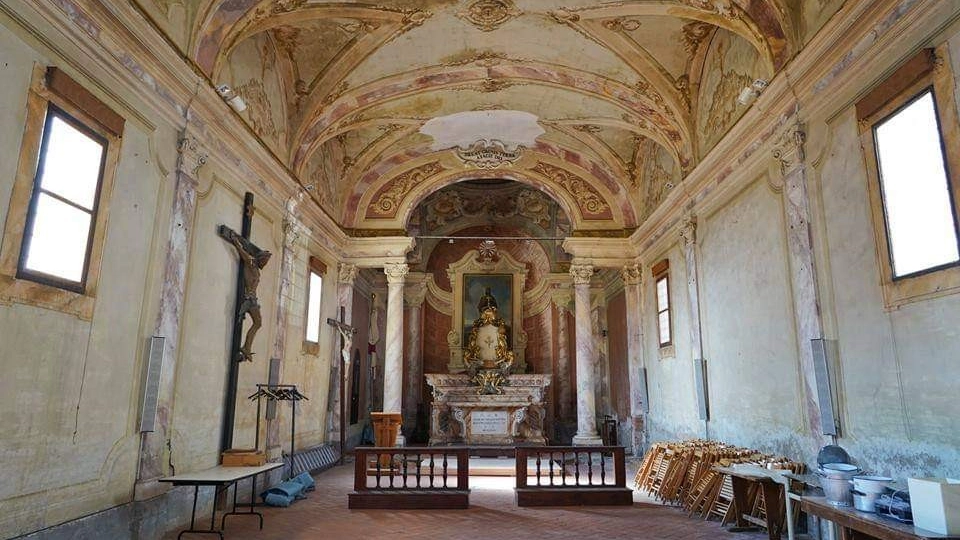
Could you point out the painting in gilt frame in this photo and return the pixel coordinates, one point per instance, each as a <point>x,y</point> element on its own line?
<point>501,288</point>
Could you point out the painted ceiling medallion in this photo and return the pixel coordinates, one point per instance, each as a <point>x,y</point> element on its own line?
<point>488,154</point>
<point>488,15</point>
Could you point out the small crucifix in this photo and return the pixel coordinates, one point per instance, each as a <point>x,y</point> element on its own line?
<point>346,343</point>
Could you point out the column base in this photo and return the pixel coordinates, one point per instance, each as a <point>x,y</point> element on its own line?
<point>401,441</point>
<point>587,440</point>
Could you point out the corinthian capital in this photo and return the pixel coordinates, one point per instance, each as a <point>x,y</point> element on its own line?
<point>581,273</point>
<point>788,149</point>
<point>191,156</point>
<point>688,230</point>
<point>348,273</point>
<point>631,274</point>
<point>396,272</point>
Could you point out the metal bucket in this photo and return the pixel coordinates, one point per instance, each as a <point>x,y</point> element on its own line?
<point>835,481</point>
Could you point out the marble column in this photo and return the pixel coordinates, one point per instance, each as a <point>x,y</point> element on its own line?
<point>291,234</point>
<point>153,463</point>
<point>586,358</point>
<point>413,299</point>
<point>563,299</point>
<point>393,357</point>
<point>345,278</point>
<point>788,153</point>
<point>632,292</point>
<point>688,241</point>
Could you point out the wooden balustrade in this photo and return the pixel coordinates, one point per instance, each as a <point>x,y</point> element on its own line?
<point>411,478</point>
<point>571,476</point>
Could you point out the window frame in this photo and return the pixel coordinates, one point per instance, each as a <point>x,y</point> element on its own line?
<point>314,266</point>
<point>50,86</point>
<point>925,71</point>
<point>54,111</point>
<point>661,272</point>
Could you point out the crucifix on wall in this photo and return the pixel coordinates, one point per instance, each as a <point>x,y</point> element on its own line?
<point>346,343</point>
<point>253,260</point>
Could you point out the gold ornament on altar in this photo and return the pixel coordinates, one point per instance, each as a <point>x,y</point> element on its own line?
<point>487,355</point>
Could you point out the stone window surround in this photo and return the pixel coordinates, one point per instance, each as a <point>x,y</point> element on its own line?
<point>659,271</point>
<point>81,105</point>
<point>929,69</point>
<point>314,266</point>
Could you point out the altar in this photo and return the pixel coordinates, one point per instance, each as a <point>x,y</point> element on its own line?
<point>461,415</point>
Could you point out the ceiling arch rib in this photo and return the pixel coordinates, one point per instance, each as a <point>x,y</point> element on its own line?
<point>604,164</point>
<point>504,74</point>
<point>430,175</point>
<point>633,125</point>
<point>595,197</point>
<point>583,133</point>
<point>756,24</point>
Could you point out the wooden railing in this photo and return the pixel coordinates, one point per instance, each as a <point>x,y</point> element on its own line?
<point>411,477</point>
<point>571,475</point>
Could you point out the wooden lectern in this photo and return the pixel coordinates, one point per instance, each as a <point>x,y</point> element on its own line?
<point>386,427</point>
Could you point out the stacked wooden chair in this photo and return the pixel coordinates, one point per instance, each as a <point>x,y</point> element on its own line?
<point>685,473</point>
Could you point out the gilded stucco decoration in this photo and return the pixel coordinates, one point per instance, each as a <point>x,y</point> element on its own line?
<point>591,203</point>
<point>488,15</point>
<point>489,154</point>
<point>387,200</point>
<point>453,203</point>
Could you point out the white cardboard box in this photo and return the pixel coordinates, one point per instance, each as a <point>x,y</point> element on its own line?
<point>935,503</point>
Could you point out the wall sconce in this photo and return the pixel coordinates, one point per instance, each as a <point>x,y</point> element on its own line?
<point>231,97</point>
<point>750,93</point>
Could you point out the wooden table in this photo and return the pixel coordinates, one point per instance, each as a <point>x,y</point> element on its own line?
<point>221,478</point>
<point>773,488</point>
<point>857,525</point>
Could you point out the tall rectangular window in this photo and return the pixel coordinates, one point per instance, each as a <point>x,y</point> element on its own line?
<point>60,222</point>
<point>907,123</point>
<point>918,211</point>
<point>661,277</point>
<point>314,289</point>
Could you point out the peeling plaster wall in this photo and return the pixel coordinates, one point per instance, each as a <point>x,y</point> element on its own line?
<point>899,374</point>
<point>70,388</point>
<point>70,391</point>
<point>747,321</point>
<point>673,405</point>
<point>896,371</point>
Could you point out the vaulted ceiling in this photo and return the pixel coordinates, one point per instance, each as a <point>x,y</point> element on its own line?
<point>603,107</point>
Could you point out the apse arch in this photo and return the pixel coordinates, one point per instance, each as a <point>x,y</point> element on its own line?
<point>436,176</point>
<point>566,205</point>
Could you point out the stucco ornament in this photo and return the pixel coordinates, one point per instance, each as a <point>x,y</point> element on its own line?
<point>488,15</point>
<point>489,154</point>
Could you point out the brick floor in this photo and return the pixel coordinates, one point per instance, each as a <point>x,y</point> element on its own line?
<point>492,515</point>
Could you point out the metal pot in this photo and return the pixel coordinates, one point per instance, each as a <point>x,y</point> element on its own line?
<point>865,502</point>
<point>835,481</point>
<point>871,484</point>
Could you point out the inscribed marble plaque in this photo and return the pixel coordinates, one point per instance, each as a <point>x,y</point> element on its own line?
<point>489,422</point>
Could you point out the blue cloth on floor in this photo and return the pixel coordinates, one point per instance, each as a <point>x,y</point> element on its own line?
<point>283,494</point>
<point>306,480</point>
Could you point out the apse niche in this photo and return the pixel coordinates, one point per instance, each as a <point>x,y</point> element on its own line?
<point>526,227</point>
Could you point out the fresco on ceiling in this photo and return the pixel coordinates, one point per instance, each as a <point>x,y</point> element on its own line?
<point>447,205</point>
<point>660,175</point>
<point>252,73</point>
<point>173,17</point>
<point>324,175</point>
<point>731,64</point>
